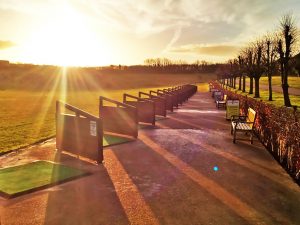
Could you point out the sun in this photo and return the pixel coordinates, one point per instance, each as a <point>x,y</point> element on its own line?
<point>66,40</point>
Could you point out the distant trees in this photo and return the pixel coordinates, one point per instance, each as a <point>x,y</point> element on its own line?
<point>240,70</point>
<point>167,65</point>
<point>265,56</point>
<point>270,58</point>
<point>258,67</point>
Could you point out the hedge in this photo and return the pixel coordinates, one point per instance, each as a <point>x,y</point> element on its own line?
<point>278,129</point>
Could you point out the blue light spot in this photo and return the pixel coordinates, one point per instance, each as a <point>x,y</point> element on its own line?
<point>216,168</point>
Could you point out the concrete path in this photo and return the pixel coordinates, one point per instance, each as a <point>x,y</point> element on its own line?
<point>185,171</point>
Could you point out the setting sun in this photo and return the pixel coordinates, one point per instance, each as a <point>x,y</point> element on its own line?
<point>65,40</point>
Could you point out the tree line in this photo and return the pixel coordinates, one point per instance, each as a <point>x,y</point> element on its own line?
<point>273,53</point>
<point>168,65</point>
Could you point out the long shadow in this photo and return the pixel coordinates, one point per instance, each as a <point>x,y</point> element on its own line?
<point>89,200</point>
<point>190,122</point>
<point>212,124</point>
<point>173,197</point>
<point>246,183</point>
<point>172,169</point>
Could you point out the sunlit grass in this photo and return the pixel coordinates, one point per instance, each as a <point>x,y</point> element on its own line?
<point>294,82</point>
<point>203,87</point>
<point>28,95</point>
<point>27,117</point>
<point>277,97</point>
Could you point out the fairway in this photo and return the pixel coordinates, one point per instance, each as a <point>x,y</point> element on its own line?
<point>26,178</point>
<point>28,95</point>
<point>29,116</point>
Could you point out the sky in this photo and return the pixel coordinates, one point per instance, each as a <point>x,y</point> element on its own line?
<point>126,32</point>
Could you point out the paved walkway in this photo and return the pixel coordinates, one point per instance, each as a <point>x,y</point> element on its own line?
<point>185,171</point>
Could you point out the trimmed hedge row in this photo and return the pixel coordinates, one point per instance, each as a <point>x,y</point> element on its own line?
<point>277,128</point>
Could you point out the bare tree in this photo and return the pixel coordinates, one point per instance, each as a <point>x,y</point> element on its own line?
<point>240,70</point>
<point>270,58</point>
<point>258,67</point>
<point>248,66</point>
<point>234,71</point>
<point>297,63</point>
<point>285,47</point>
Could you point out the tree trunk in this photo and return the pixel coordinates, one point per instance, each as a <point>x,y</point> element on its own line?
<point>270,88</point>
<point>234,82</point>
<point>244,84</point>
<point>285,91</point>
<point>285,85</point>
<point>251,85</point>
<point>240,83</point>
<point>256,95</point>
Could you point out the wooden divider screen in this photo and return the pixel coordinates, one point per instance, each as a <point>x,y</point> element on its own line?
<point>175,97</point>
<point>118,118</point>
<point>80,134</point>
<point>145,108</point>
<point>169,99</point>
<point>159,102</point>
<point>181,94</point>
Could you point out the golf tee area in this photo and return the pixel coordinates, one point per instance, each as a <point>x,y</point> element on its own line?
<point>185,169</point>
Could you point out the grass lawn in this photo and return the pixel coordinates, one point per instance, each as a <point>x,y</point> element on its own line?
<point>294,82</point>
<point>277,97</point>
<point>28,116</point>
<point>29,177</point>
<point>109,140</point>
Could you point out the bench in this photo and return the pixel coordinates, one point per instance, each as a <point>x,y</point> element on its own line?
<point>218,96</point>
<point>243,124</point>
<point>222,103</point>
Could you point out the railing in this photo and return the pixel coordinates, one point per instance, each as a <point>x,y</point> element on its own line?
<point>159,102</point>
<point>80,134</point>
<point>119,119</point>
<point>145,108</point>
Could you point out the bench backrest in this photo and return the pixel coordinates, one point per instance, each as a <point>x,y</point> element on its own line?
<point>251,116</point>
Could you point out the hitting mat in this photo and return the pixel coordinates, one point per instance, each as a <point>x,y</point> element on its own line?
<point>109,140</point>
<point>22,179</point>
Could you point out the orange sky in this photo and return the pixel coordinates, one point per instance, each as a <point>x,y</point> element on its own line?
<point>101,32</point>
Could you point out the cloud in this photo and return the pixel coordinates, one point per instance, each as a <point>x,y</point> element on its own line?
<point>6,44</point>
<point>213,50</point>
<point>148,28</point>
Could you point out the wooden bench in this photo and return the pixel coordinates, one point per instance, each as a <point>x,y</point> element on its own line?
<point>243,124</point>
<point>218,96</point>
<point>221,103</point>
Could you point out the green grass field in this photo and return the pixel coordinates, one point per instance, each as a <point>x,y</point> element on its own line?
<point>29,116</point>
<point>23,178</point>
<point>27,105</point>
<point>109,140</point>
<point>294,82</point>
<point>277,97</point>
<point>278,100</point>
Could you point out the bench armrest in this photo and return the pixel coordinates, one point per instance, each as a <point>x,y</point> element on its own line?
<point>238,118</point>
